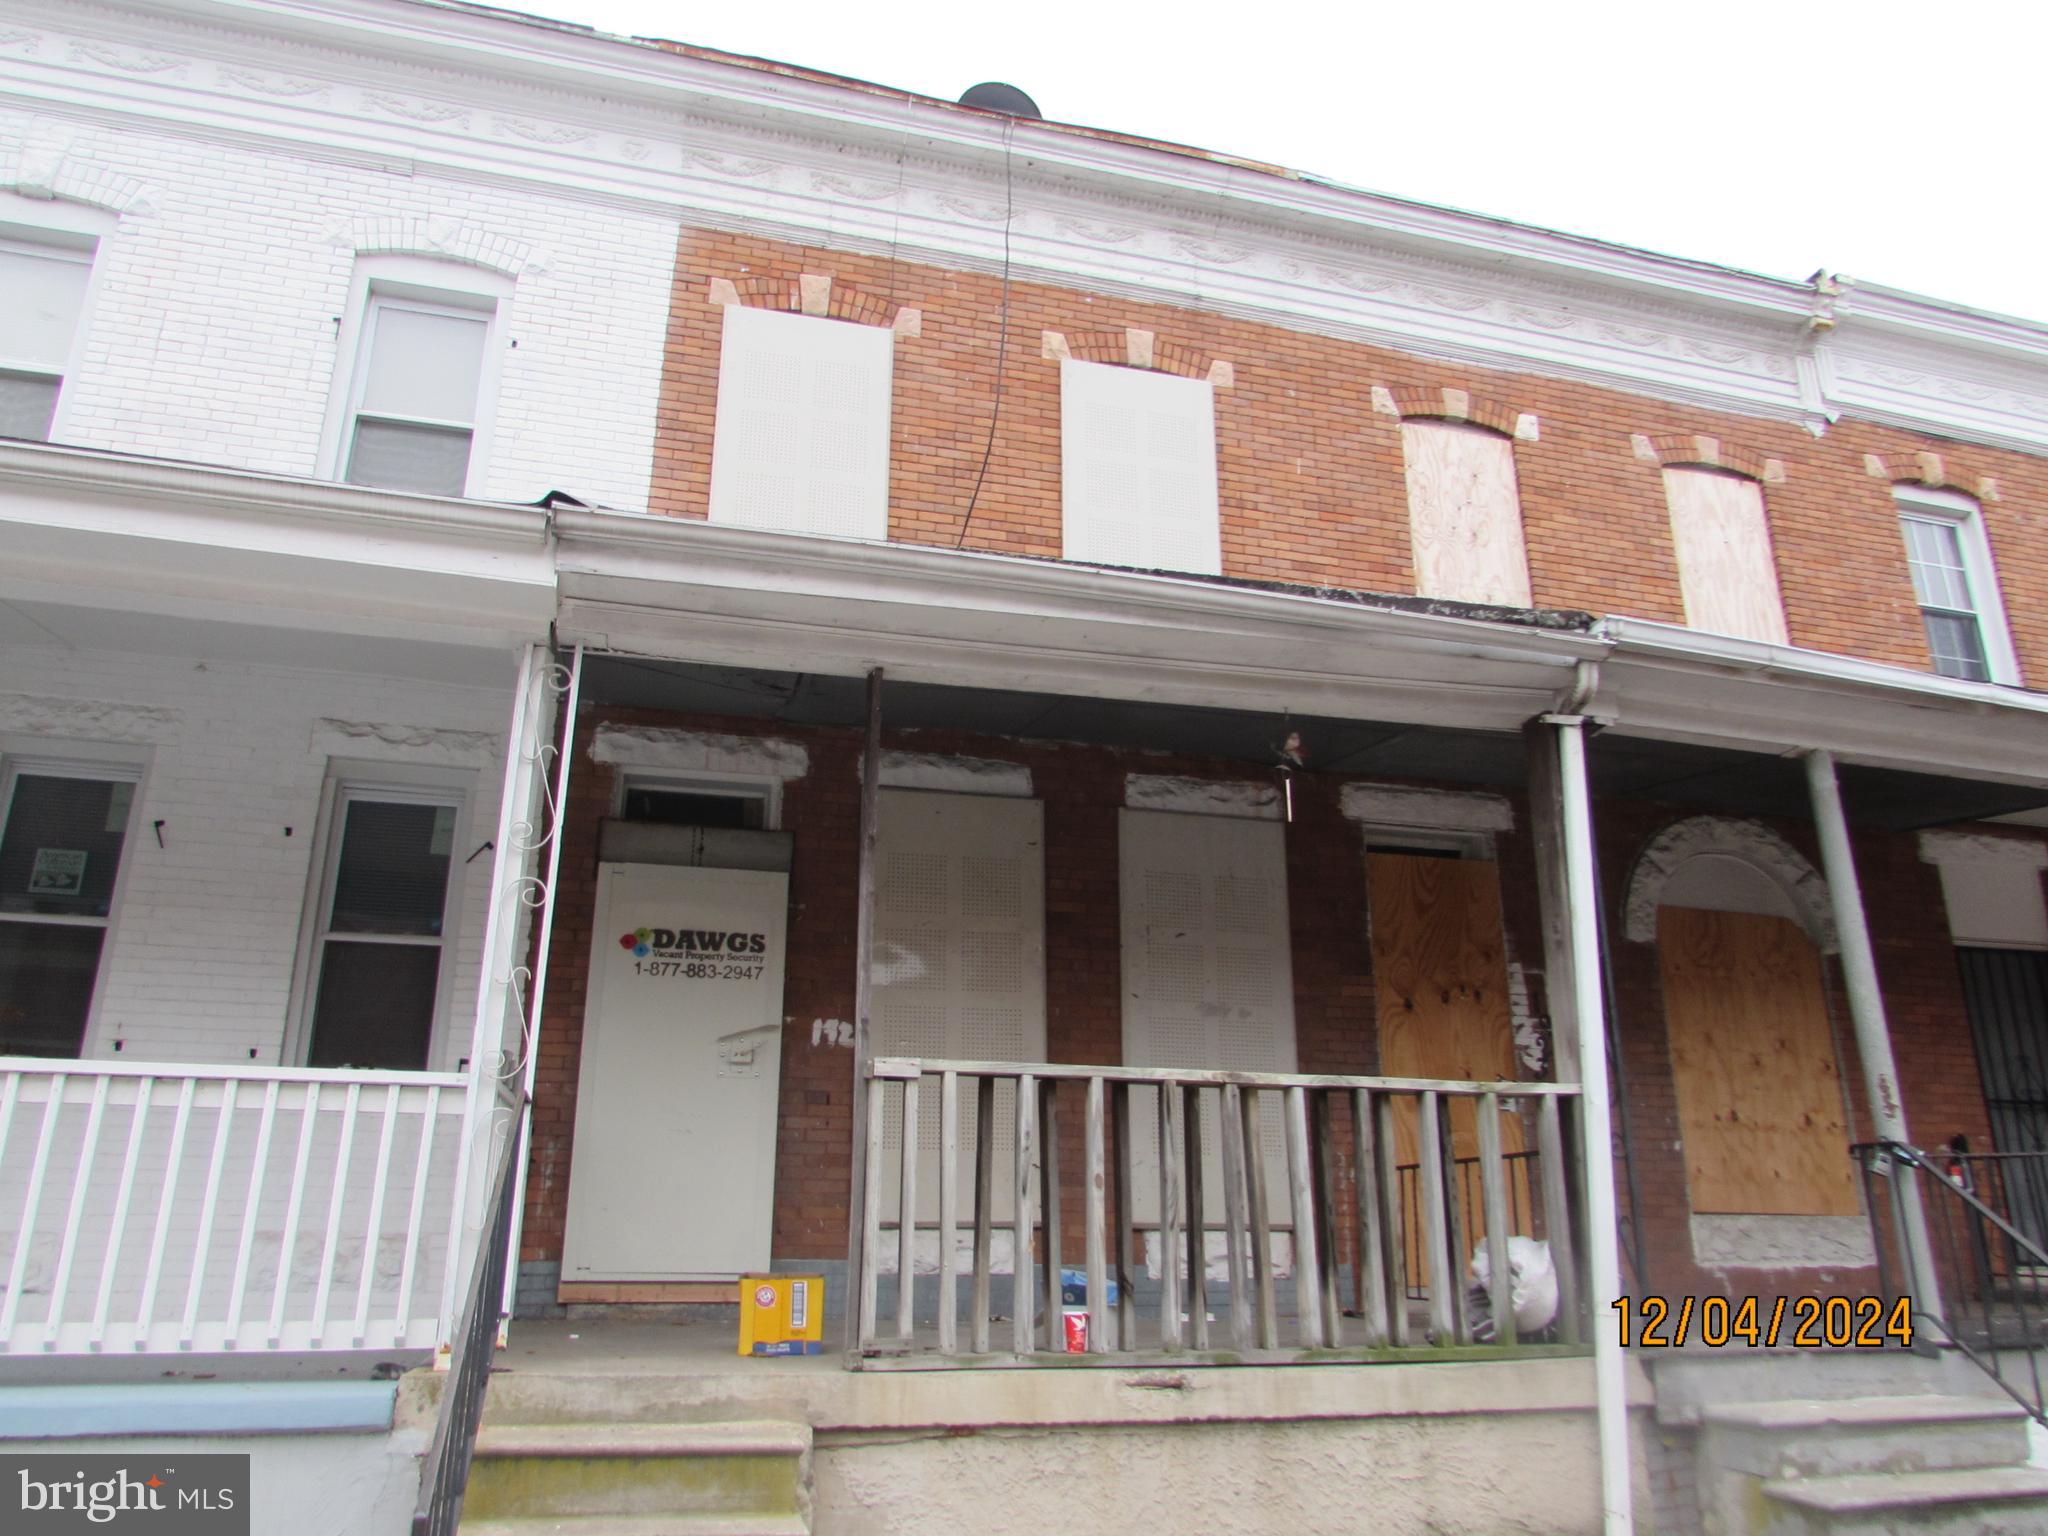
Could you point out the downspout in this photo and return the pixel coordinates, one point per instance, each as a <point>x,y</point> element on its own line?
<point>1596,1115</point>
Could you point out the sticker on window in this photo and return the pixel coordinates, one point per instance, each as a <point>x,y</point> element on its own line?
<point>119,797</point>
<point>57,872</point>
<point>443,840</point>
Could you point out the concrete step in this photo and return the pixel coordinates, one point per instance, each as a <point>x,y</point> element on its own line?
<point>739,1472</point>
<point>1817,1437</point>
<point>1978,1501</point>
<point>638,1525</point>
<point>1691,1380</point>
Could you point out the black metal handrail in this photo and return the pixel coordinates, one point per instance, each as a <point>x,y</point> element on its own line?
<point>444,1474</point>
<point>1989,1308</point>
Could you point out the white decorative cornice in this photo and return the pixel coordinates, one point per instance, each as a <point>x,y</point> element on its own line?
<point>599,120</point>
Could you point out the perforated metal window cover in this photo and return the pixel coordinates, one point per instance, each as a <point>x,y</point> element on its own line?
<point>1138,469</point>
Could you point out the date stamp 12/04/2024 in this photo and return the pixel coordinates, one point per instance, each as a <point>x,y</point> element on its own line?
<point>1802,1322</point>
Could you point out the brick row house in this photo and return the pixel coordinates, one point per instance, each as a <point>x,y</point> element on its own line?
<point>634,669</point>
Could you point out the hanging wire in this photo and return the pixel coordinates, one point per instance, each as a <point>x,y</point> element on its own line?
<point>995,414</point>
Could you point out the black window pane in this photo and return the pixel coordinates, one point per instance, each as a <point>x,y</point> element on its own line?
<point>62,847</point>
<point>394,868</point>
<point>28,402</point>
<point>681,808</point>
<point>375,1007</point>
<point>46,977</point>
<point>1957,645</point>
<point>402,456</point>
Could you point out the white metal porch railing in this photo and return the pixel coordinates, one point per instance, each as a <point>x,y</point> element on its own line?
<point>1162,1139</point>
<point>155,1208</point>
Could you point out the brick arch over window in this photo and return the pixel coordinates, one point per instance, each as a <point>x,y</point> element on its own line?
<point>1697,450</point>
<point>441,239</point>
<point>1930,470</point>
<point>1134,348</point>
<point>1730,837</point>
<point>1420,402</point>
<point>816,294</point>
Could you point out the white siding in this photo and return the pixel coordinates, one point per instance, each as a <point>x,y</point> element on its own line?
<point>1138,469</point>
<point>803,424</point>
<point>1723,543</point>
<point>205,928</point>
<point>1464,514</point>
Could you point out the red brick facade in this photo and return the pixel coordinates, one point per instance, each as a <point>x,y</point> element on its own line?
<point>1311,478</point>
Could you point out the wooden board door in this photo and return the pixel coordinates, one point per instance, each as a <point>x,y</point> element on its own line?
<point>1440,980</point>
<point>1753,1061</point>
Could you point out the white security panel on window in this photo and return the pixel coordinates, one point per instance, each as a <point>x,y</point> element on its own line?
<point>1138,469</point>
<point>1725,569</point>
<point>415,413</point>
<point>1957,589</point>
<point>1464,514</point>
<point>802,439</point>
<point>45,289</point>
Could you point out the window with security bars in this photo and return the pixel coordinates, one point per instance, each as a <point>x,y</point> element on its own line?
<point>1950,563</point>
<point>1138,469</point>
<point>45,288</point>
<point>61,838</point>
<point>412,421</point>
<point>380,945</point>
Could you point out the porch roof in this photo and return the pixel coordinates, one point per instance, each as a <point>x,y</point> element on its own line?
<point>780,626</point>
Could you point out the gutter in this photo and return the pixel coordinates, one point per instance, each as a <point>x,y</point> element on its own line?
<point>72,471</point>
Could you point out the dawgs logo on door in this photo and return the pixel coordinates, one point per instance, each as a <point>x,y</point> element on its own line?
<point>692,943</point>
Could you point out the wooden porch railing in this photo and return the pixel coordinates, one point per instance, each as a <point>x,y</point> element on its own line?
<point>1334,1192</point>
<point>148,1208</point>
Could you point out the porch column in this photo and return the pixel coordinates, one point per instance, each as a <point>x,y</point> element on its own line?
<point>1588,1017</point>
<point>1866,1013</point>
<point>855,1297</point>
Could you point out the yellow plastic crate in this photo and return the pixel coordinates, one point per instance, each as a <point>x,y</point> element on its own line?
<point>782,1314</point>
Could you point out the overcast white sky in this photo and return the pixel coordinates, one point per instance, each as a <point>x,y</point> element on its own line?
<point>1900,144</point>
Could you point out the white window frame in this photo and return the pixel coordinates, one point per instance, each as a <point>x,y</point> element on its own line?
<point>437,287</point>
<point>767,788</point>
<point>384,782</point>
<point>80,760</point>
<point>1979,569</point>
<point>71,229</point>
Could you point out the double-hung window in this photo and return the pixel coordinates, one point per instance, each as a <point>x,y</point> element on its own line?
<point>1956,586</point>
<point>62,829</point>
<point>379,959</point>
<point>412,421</point>
<point>45,288</point>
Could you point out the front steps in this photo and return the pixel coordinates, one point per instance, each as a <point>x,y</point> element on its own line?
<point>635,1479</point>
<point>1872,1466</point>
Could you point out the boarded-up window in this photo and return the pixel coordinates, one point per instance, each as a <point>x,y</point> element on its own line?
<point>1138,469</point>
<point>803,425</point>
<point>1753,1062</point>
<point>1723,542</point>
<point>1463,514</point>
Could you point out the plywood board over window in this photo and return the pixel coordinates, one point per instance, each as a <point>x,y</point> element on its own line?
<point>803,424</point>
<point>1464,514</point>
<point>1726,572</point>
<point>1753,1062</point>
<point>1138,469</point>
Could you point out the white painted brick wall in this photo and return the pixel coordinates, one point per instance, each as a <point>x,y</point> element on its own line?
<point>206,928</point>
<point>213,333</point>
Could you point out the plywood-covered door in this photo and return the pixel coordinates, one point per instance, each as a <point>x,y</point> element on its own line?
<point>959,962</point>
<point>1753,1060</point>
<point>1440,980</point>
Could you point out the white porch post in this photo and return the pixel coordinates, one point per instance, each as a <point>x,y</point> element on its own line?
<point>1596,1126</point>
<point>495,981</point>
<point>1866,1013</point>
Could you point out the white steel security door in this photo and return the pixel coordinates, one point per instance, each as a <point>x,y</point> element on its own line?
<point>1208,975</point>
<point>673,1176</point>
<point>959,955</point>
